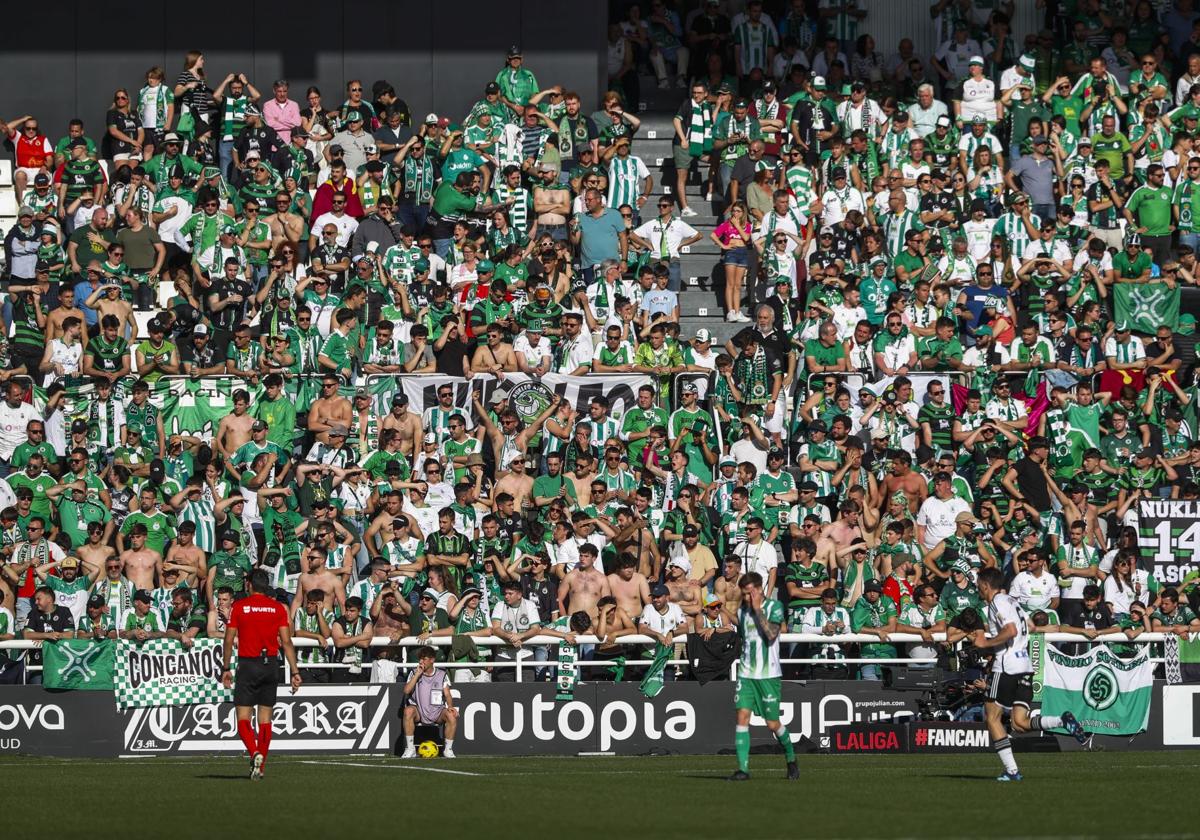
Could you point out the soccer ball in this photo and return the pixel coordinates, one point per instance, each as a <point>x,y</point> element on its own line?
<point>427,749</point>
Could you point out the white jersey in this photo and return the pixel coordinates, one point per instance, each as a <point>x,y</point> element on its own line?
<point>1034,592</point>
<point>664,622</point>
<point>1013,657</point>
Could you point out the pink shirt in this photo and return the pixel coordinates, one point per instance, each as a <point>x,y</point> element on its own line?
<point>283,118</point>
<point>727,230</point>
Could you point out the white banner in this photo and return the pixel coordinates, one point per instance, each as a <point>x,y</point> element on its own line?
<point>620,389</point>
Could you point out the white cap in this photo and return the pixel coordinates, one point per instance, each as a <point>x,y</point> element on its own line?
<point>372,247</point>
<point>703,335</point>
<point>683,563</point>
<point>430,437</point>
<point>431,118</point>
<point>976,59</point>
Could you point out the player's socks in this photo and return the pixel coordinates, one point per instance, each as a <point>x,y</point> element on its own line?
<point>785,741</point>
<point>1003,748</point>
<point>741,740</point>
<point>1047,722</point>
<point>246,733</point>
<point>264,738</point>
<point>449,744</point>
<point>409,741</point>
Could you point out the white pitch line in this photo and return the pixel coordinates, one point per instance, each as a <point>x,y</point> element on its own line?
<point>395,767</point>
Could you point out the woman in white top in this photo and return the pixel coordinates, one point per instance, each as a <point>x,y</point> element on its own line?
<point>1128,584</point>
<point>466,272</point>
<point>978,96</point>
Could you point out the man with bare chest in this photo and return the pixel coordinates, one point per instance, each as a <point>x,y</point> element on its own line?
<point>234,429</point>
<point>585,471</point>
<point>407,425</point>
<point>684,592</point>
<point>187,557</point>
<point>141,563</point>
<point>319,578</point>
<point>329,410</point>
<point>833,546</point>
<point>284,226</point>
<point>95,552</point>
<point>727,589</point>
<point>903,479</point>
<point>583,586</point>
<point>629,586</point>
<point>634,536</point>
<point>518,484</point>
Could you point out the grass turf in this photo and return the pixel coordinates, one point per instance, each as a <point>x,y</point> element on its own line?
<point>1064,795</point>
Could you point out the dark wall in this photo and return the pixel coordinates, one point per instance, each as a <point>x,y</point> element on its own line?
<point>66,62</point>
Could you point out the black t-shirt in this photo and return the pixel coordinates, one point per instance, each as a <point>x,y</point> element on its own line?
<point>56,621</point>
<point>202,357</point>
<point>544,593</point>
<point>232,315</point>
<point>127,124</point>
<point>776,344</point>
<point>1032,484</point>
<point>1076,614</point>
<point>937,200</point>
<point>450,357</point>
<point>261,138</point>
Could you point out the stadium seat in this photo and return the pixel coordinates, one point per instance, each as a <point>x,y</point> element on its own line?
<point>165,291</point>
<point>8,204</point>
<point>6,173</point>
<point>143,318</point>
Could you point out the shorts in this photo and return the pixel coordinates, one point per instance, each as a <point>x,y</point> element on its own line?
<point>127,156</point>
<point>1008,690</point>
<point>682,157</point>
<point>31,172</point>
<point>759,696</point>
<point>256,682</point>
<point>737,256</point>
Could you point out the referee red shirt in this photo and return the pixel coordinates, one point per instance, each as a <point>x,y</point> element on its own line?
<point>258,619</point>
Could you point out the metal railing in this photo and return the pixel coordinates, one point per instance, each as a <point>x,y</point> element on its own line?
<point>521,664</point>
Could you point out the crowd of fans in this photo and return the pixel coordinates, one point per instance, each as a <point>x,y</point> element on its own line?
<point>926,251</point>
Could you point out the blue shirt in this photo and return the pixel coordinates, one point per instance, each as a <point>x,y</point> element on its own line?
<point>83,290</point>
<point>977,299</point>
<point>600,237</point>
<point>658,301</point>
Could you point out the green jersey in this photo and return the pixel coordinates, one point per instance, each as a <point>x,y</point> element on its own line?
<point>759,660</point>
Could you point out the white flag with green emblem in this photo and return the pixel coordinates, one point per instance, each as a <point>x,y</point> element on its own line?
<point>1109,695</point>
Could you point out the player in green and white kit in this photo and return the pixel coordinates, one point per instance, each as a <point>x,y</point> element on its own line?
<point>760,621</point>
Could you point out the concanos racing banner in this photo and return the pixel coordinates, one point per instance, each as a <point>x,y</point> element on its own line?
<point>162,672</point>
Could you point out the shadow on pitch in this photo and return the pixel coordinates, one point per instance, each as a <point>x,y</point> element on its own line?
<point>220,776</point>
<point>966,777</point>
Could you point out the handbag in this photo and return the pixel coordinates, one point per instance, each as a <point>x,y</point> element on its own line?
<point>186,127</point>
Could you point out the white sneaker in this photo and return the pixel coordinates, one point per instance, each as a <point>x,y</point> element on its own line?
<point>731,317</point>
<point>409,752</point>
<point>708,196</point>
<point>448,753</point>
<point>663,84</point>
<point>742,317</point>
<point>688,212</point>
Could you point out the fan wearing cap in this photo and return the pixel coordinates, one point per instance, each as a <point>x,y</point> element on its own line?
<point>142,622</point>
<point>840,198</point>
<point>96,623</point>
<point>969,543</point>
<point>70,584</point>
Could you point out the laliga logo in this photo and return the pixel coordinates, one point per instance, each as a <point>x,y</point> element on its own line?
<point>576,721</point>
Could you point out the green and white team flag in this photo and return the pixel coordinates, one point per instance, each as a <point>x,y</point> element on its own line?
<point>1146,306</point>
<point>1109,695</point>
<point>162,672</point>
<point>84,664</point>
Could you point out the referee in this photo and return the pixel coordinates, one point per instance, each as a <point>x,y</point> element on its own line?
<point>261,626</point>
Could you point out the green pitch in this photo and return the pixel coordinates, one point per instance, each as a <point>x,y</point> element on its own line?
<point>1063,795</point>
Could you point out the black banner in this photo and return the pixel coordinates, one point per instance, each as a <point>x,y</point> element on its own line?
<point>37,721</point>
<point>1169,538</point>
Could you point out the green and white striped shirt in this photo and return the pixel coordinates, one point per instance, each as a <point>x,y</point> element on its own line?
<point>625,178</point>
<point>759,660</point>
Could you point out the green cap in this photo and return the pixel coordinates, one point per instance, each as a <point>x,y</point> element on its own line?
<point>421,266</point>
<point>454,127</point>
<point>353,116</point>
<point>984,330</point>
<point>961,566</point>
<point>209,172</point>
<point>845,90</point>
<point>484,266</point>
<point>1187,325</point>
<point>535,325</point>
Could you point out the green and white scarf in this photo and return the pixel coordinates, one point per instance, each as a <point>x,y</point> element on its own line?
<point>652,683</point>
<point>700,130</point>
<point>752,376</point>
<point>567,674</point>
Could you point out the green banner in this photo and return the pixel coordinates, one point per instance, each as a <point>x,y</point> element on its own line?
<point>1146,306</point>
<point>1109,695</point>
<point>78,663</point>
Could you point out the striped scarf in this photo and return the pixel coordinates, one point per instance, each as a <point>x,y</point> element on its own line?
<point>700,130</point>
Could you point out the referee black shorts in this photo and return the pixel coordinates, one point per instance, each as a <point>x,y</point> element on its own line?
<point>1008,690</point>
<point>256,682</point>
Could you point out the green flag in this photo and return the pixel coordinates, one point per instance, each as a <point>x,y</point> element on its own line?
<point>1109,695</point>
<point>1146,306</point>
<point>78,663</point>
<point>652,683</point>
